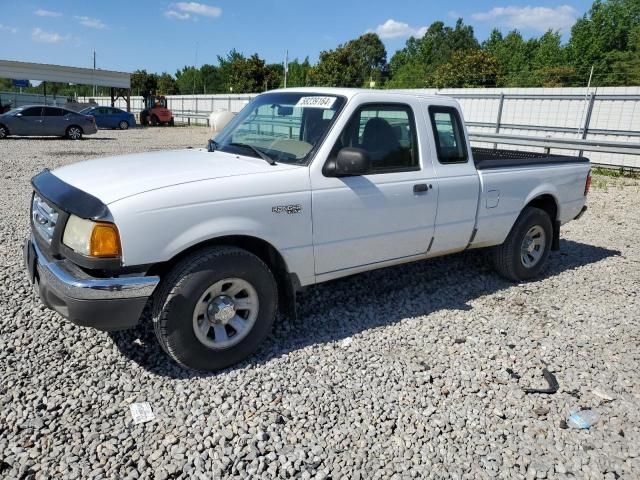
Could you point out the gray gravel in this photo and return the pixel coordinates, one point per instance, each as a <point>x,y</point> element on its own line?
<point>410,372</point>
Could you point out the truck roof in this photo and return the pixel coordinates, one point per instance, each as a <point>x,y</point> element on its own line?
<point>351,92</point>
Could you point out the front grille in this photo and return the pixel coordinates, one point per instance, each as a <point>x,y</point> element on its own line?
<point>44,218</point>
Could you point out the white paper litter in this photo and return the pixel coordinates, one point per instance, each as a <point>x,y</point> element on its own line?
<point>141,412</point>
<point>346,342</point>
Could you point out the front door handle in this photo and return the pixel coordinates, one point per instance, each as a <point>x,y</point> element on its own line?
<point>420,188</point>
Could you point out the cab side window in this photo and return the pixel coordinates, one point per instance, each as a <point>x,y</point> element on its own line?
<point>387,132</point>
<point>449,135</point>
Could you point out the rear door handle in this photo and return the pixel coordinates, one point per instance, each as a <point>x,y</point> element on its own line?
<point>420,188</point>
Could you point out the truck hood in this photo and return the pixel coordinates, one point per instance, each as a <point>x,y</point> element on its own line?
<point>113,178</point>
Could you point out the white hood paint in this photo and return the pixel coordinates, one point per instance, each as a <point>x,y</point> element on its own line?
<point>113,178</point>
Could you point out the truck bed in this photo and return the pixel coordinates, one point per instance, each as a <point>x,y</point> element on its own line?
<point>489,158</point>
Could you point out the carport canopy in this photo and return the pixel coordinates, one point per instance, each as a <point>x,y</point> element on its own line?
<point>58,73</point>
<point>120,82</point>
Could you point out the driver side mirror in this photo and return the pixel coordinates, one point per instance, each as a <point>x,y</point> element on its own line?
<point>352,161</point>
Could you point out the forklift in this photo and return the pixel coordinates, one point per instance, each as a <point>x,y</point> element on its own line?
<point>155,111</point>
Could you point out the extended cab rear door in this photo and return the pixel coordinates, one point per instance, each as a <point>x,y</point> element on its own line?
<point>458,180</point>
<point>387,215</point>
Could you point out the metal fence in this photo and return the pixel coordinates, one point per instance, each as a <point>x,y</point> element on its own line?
<point>603,115</point>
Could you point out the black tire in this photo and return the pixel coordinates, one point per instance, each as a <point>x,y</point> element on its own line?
<point>74,132</point>
<point>4,132</point>
<point>123,125</point>
<point>509,259</point>
<point>172,122</point>
<point>181,290</point>
<point>154,120</point>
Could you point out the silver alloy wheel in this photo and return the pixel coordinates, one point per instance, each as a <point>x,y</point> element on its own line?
<point>3,132</point>
<point>75,133</point>
<point>124,125</point>
<point>225,313</point>
<point>533,245</point>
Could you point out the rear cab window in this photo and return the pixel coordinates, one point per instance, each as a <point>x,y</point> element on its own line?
<point>451,145</point>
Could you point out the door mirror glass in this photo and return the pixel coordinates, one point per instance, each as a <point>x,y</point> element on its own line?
<point>352,161</point>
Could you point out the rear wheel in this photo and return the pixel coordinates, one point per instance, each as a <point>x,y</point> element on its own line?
<point>154,120</point>
<point>215,307</point>
<point>123,125</point>
<point>4,132</point>
<point>171,122</point>
<point>74,132</point>
<point>524,253</point>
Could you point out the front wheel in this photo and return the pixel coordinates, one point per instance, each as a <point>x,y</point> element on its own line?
<point>4,132</point>
<point>524,253</point>
<point>123,125</point>
<point>215,307</point>
<point>74,133</point>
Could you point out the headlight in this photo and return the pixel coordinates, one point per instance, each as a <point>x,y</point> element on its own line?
<point>94,239</point>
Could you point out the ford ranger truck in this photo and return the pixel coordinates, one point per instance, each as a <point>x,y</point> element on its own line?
<point>301,187</point>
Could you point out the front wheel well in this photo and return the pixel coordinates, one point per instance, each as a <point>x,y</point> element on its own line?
<point>288,283</point>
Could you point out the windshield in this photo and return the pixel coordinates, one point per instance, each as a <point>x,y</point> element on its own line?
<point>286,127</point>
<point>13,111</point>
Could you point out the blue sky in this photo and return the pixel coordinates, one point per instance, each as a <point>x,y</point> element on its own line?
<point>164,36</point>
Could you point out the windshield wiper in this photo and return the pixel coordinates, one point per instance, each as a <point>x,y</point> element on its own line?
<point>257,151</point>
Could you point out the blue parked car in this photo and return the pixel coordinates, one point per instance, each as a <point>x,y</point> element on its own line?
<point>109,117</point>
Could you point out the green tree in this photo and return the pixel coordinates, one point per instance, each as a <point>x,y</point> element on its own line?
<point>143,82</point>
<point>352,64</point>
<point>298,75</point>
<point>212,79</point>
<point>602,38</point>
<point>166,84</point>
<point>514,55</point>
<point>415,64</point>
<point>467,68</point>
<point>189,81</point>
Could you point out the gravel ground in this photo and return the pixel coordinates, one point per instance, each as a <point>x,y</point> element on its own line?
<point>410,372</point>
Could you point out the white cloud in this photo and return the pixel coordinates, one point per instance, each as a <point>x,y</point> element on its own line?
<point>46,13</point>
<point>540,19</point>
<point>39,35</point>
<point>91,22</point>
<point>394,29</point>
<point>8,28</point>
<point>187,10</point>
<point>176,15</point>
<point>199,9</point>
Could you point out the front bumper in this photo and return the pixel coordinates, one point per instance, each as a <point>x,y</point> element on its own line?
<point>102,303</point>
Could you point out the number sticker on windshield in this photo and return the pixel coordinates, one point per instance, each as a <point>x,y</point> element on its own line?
<point>316,102</point>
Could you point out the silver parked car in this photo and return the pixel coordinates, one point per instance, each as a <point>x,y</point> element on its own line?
<point>40,120</point>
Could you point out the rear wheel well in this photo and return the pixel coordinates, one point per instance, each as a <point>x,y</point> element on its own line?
<point>288,283</point>
<point>548,204</point>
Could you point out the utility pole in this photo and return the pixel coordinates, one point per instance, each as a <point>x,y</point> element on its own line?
<point>286,67</point>
<point>94,72</point>
<point>195,70</point>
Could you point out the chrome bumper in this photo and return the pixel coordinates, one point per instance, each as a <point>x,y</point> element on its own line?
<point>101,303</point>
<point>60,276</point>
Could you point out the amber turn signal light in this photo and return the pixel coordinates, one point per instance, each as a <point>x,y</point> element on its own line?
<point>105,241</point>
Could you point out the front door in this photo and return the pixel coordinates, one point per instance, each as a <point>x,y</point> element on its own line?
<point>387,214</point>
<point>28,122</point>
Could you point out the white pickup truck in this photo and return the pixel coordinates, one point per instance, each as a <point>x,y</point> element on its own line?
<point>301,187</point>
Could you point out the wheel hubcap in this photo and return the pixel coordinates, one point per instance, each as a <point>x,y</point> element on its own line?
<point>533,246</point>
<point>225,313</point>
<point>75,133</point>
